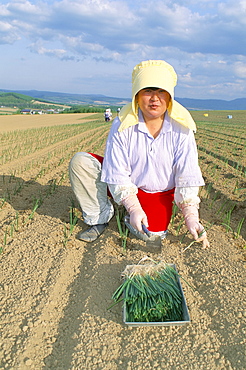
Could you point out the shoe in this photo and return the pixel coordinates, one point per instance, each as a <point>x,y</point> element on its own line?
<point>93,233</point>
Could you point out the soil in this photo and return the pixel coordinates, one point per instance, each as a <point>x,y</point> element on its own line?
<point>55,292</point>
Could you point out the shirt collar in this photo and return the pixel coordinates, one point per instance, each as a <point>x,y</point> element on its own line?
<point>166,127</point>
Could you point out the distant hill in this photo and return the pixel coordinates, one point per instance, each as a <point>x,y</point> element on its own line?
<point>213,104</point>
<point>72,99</point>
<point>19,100</point>
<point>96,99</point>
<point>11,99</point>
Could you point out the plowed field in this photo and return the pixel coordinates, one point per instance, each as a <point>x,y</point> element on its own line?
<point>55,289</point>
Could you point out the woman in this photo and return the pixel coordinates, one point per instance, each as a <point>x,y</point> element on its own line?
<point>150,159</point>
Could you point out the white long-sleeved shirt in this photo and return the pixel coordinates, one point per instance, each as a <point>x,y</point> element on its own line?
<point>134,159</point>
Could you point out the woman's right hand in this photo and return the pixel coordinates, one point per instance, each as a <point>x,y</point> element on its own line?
<point>136,212</point>
<point>137,218</point>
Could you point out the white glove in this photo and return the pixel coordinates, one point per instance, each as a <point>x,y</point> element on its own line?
<point>191,216</point>
<point>136,212</point>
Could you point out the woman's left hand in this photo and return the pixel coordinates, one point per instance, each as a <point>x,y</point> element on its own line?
<point>199,234</point>
<point>191,216</point>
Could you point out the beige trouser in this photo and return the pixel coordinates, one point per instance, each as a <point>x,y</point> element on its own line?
<point>90,191</point>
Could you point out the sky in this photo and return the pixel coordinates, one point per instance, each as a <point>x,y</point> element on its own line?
<point>92,46</point>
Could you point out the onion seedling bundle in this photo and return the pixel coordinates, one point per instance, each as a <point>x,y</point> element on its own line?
<point>151,293</point>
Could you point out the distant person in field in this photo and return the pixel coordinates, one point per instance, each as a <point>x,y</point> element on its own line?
<point>150,161</point>
<point>107,115</point>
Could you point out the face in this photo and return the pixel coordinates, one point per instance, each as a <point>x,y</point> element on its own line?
<point>153,102</point>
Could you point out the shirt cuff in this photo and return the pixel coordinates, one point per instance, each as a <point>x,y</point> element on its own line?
<point>186,195</point>
<point>120,192</point>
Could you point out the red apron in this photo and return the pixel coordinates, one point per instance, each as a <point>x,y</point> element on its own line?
<point>157,206</point>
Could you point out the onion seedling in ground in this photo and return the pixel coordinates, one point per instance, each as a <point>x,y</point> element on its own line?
<point>239,227</point>
<point>73,219</point>
<point>123,231</point>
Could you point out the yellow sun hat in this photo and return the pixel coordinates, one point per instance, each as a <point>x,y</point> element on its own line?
<point>153,73</point>
<point>160,74</point>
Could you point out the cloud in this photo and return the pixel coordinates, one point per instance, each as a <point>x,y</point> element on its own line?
<point>231,11</point>
<point>8,33</point>
<point>203,40</point>
<point>23,8</point>
<point>240,69</point>
<point>114,26</point>
<point>39,49</point>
